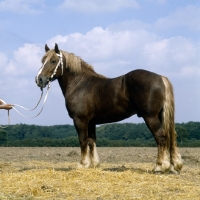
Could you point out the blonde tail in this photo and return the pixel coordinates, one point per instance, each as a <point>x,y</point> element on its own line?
<point>168,113</point>
<point>169,125</point>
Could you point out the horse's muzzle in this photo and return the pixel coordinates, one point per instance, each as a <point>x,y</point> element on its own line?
<point>41,81</point>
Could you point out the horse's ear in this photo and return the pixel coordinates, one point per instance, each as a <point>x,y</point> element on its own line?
<point>46,48</point>
<point>56,49</point>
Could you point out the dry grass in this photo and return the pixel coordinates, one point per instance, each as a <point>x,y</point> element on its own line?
<point>125,173</point>
<point>47,180</point>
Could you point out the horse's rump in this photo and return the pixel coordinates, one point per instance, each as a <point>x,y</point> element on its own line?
<point>146,91</point>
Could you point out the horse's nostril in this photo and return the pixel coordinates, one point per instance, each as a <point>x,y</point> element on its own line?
<point>40,80</point>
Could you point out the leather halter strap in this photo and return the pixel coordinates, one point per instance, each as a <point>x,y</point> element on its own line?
<point>60,63</point>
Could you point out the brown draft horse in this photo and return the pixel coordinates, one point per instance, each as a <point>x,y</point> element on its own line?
<point>93,99</point>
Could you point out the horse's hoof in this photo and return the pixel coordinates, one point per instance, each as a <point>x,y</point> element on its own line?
<point>85,166</point>
<point>157,172</point>
<point>173,171</point>
<point>158,169</point>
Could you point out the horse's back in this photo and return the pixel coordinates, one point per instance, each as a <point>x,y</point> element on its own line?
<point>146,90</point>
<point>144,78</point>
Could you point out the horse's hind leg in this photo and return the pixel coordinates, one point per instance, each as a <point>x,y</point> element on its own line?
<point>163,156</point>
<point>176,161</point>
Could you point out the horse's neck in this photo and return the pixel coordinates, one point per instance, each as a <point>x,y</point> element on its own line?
<point>69,81</point>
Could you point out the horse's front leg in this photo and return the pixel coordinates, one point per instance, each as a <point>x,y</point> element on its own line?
<point>93,150</point>
<point>86,143</point>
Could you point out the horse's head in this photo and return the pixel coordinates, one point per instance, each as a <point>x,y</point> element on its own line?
<point>52,67</point>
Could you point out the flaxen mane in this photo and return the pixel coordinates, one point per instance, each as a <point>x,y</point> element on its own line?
<point>76,64</point>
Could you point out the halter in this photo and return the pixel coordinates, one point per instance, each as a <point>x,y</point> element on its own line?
<point>60,63</point>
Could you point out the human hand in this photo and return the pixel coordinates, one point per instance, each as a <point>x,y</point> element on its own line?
<point>6,106</point>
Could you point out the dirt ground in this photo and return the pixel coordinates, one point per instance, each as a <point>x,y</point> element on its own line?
<point>118,155</point>
<point>124,173</point>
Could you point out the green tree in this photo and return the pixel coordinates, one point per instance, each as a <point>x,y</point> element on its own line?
<point>182,133</point>
<point>3,137</point>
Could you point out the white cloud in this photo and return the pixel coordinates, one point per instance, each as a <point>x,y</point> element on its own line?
<point>98,5</point>
<point>172,55</point>
<point>21,6</point>
<point>27,59</point>
<point>184,17</point>
<point>101,43</point>
<point>113,68</point>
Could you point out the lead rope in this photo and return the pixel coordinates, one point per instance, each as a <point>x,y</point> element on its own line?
<point>32,108</point>
<point>45,98</point>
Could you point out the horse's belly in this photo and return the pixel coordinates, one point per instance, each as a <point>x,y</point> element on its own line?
<point>113,116</point>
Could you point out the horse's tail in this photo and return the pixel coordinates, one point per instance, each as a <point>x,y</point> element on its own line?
<point>169,126</point>
<point>168,114</point>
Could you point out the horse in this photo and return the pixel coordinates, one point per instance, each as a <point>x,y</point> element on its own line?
<point>92,99</point>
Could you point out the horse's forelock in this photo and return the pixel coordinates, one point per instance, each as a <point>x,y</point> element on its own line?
<point>48,55</point>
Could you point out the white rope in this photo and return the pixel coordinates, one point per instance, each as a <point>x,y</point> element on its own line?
<point>32,108</point>
<point>45,98</point>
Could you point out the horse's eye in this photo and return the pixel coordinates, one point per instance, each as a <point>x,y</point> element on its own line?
<point>53,61</point>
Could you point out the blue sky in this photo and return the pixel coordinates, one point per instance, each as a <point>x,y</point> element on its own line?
<point>115,36</point>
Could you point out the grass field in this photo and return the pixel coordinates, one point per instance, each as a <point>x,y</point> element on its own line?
<point>125,173</point>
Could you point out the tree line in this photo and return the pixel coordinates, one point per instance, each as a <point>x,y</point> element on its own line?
<point>117,134</point>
